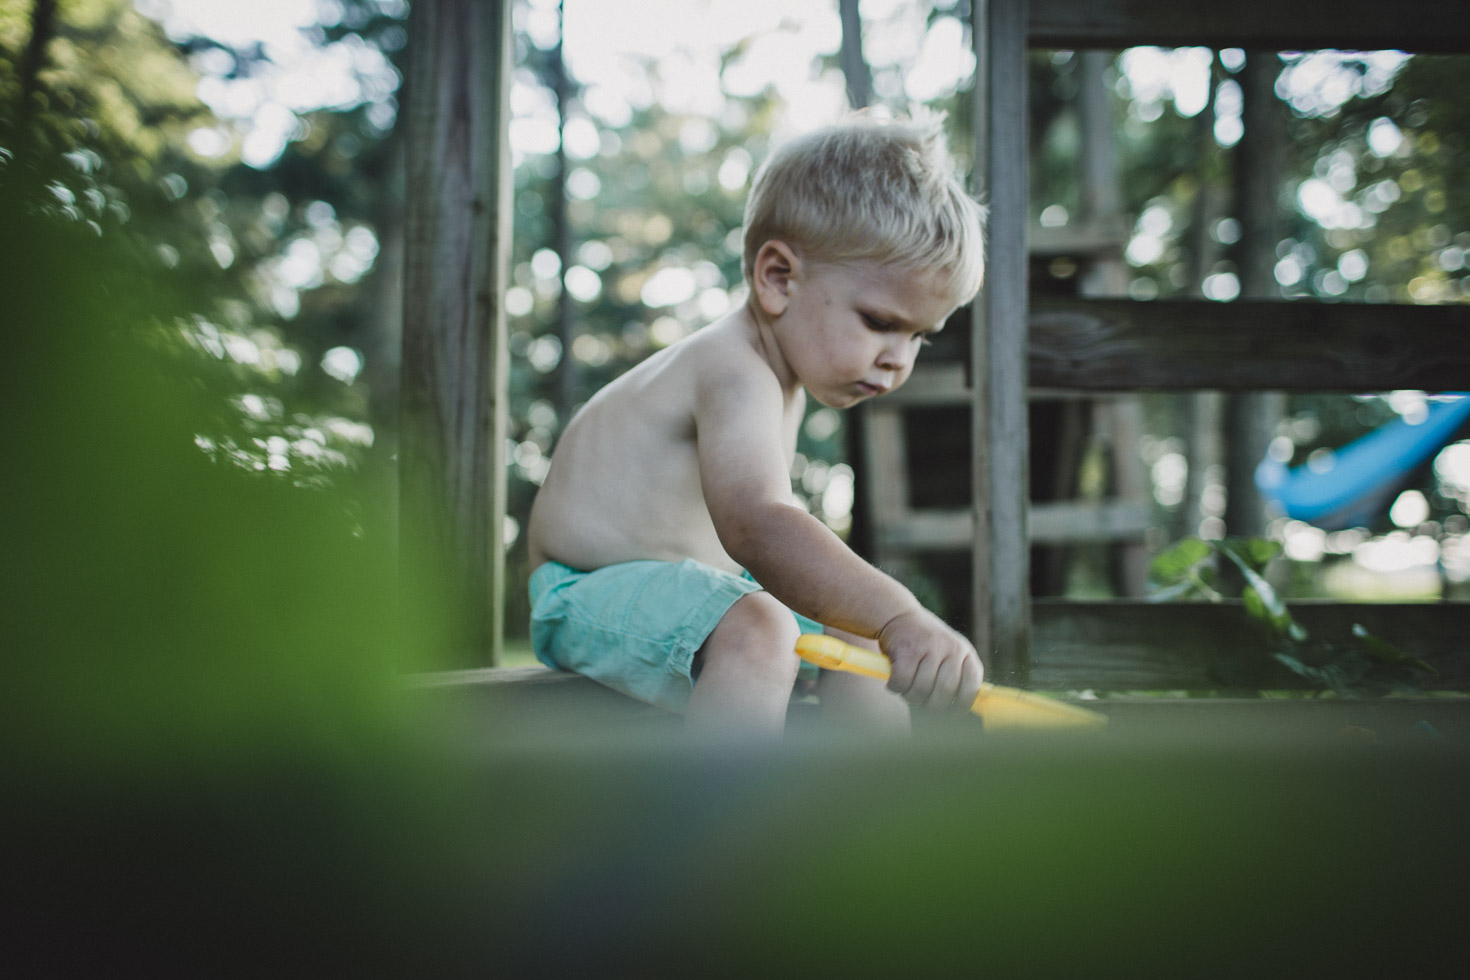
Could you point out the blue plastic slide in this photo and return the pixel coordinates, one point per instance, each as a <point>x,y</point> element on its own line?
<point>1363,478</point>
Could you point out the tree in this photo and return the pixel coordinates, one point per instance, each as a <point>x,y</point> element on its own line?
<point>104,93</point>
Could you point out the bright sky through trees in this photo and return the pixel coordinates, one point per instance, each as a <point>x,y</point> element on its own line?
<point>604,41</point>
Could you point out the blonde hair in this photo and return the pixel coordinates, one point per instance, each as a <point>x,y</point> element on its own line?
<point>867,188</point>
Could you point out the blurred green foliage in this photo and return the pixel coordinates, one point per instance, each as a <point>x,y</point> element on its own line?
<point>1364,666</point>
<point>98,108</point>
<point>150,593</point>
<point>198,712</point>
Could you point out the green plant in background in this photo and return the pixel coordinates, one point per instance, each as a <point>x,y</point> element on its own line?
<point>1364,666</point>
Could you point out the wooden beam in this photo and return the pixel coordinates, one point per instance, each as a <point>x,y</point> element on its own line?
<point>492,708</point>
<point>1093,345</point>
<point>1426,26</point>
<point>1090,238</point>
<point>1060,522</point>
<point>457,241</point>
<point>941,383</point>
<point>1123,345</point>
<point>1134,645</point>
<point>1001,604</point>
<point>1070,521</point>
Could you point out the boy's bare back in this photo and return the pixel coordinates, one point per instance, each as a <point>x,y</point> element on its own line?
<point>625,484</point>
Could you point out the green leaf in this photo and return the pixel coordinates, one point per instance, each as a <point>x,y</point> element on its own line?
<point>1173,564</point>
<point>1256,608</point>
<point>1385,652</point>
<point>1300,669</point>
<point>1262,601</point>
<point>1179,590</point>
<point>1343,677</point>
<point>1253,552</point>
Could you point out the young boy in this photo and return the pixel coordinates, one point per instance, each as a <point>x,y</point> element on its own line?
<point>669,498</point>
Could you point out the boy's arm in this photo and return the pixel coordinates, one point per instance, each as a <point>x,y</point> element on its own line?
<point>799,560</point>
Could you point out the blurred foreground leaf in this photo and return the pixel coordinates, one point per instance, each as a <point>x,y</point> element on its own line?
<point>1173,564</point>
<point>1387,653</point>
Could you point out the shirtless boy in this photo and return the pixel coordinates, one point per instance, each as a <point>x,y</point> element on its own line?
<point>668,498</point>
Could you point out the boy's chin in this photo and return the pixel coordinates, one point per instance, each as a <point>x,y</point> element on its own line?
<point>837,399</point>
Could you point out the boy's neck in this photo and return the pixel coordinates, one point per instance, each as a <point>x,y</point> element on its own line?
<point>761,331</point>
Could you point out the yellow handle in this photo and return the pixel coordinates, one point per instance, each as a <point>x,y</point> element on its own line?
<point>834,654</point>
<point>1000,707</point>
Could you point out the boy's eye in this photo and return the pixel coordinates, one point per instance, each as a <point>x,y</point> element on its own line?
<point>883,326</point>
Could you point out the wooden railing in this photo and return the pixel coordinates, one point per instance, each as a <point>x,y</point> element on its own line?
<point>1128,645</point>
<point>1118,345</point>
<point>1124,345</point>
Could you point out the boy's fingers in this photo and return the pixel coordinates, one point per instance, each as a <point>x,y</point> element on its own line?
<point>922,687</point>
<point>947,683</point>
<point>901,673</point>
<point>972,676</point>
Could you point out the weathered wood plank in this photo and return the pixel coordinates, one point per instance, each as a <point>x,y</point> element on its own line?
<point>1061,522</point>
<point>934,383</point>
<point>1426,26</point>
<point>1070,521</point>
<point>1293,721</point>
<point>1134,645</point>
<point>457,242</point>
<point>1094,237</point>
<point>521,678</point>
<point>1123,345</point>
<point>928,530</point>
<point>1001,602</point>
<point>491,708</point>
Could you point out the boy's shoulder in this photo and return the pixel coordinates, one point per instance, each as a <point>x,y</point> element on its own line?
<point>725,358</point>
<point>721,355</point>
<point>715,374</point>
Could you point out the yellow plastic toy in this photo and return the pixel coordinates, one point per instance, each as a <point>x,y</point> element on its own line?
<point>999,707</point>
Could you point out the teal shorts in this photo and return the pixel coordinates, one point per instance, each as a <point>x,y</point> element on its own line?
<point>636,626</point>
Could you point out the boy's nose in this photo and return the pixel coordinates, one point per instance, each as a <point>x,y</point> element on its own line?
<point>895,357</point>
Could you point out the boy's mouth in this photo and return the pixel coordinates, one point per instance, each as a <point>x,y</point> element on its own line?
<point>871,390</point>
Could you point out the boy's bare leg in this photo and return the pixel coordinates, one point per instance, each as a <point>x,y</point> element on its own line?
<point>860,703</point>
<point>747,670</point>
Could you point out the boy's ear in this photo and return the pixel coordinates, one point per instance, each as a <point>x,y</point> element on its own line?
<point>775,265</point>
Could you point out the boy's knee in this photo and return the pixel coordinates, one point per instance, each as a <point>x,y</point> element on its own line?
<point>758,626</point>
<point>760,614</point>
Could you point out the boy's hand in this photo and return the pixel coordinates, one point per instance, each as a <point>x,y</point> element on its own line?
<point>933,665</point>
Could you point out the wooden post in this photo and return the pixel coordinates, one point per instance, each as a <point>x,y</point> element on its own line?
<point>1250,419</point>
<point>1002,614</point>
<point>1204,411</point>
<point>854,66</point>
<point>1102,196</point>
<point>858,424</point>
<point>568,381</point>
<point>457,242</point>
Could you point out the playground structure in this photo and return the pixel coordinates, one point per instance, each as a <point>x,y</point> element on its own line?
<point>913,451</point>
<point>1020,343</point>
